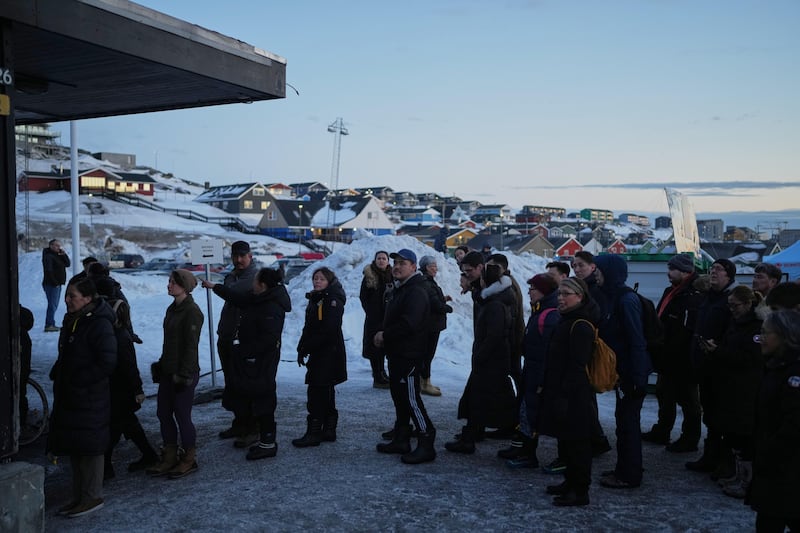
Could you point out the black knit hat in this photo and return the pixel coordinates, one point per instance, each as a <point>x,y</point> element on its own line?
<point>681,262</point>
<point>729,267</point>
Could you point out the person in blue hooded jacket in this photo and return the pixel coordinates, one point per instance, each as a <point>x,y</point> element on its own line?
<point>622,330</point>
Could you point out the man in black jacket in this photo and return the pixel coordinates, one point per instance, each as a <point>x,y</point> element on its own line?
<point>405,336</point>
<point>54,267</point>
<point>677,381</point>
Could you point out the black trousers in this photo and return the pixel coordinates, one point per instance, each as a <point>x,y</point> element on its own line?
<point>673,391</point>
<point>321,401</point>
<point>577,456</point>
<point>404,386</point>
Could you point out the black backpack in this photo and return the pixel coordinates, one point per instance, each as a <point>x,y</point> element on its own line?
<point>652,328</point>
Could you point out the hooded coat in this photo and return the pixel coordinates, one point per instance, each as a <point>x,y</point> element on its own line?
<point>373,301</point>
<point>776,466</point>
<point>87,355</point>
<point>259,326</point>
<point>322,337</point>
<point>489,398</point>
<point>621,327</point>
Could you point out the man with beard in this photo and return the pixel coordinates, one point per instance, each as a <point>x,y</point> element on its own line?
<point>677,383</point>
<point>240,280</point>
<point>713,316</point>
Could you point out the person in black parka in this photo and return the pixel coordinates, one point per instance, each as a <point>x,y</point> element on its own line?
<point>322,343</point>
<point>256,352</point>
<point>79,423</point>
<point>567,411</point>
<point>438,322</point>
<point>775,487</point>
<point>377,280</point>
<point>127,395</point>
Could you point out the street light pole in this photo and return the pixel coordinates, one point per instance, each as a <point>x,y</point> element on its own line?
<point>338,129</point>
<point>300,230</point>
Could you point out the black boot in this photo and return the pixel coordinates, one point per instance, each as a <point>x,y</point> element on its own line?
<point>465,442</point>
<point>425,451</point>
<point>313,434</point>
<point>149,455</point>
<point>514,450</point>
<point>266,447</point>
<point>329,427</point>
<point>710,458</point>
<point>401,441</point>
<point>379,378</point>
<point>527,455</point>
<point>656,435</point>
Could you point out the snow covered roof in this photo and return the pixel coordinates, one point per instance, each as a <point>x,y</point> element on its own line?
<point>225,192</point>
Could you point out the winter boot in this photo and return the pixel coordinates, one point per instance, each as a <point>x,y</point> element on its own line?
<point>710,458</point>
<point>236,430</point>
<point>744,474</point>
<point>726,466</point>
<point>425,451</point>
<point>515,448</point>
<point>656,435</point>
<point>313,435</point>
<point>465,443</point>
<point>149,455</point>
<point>186,465</point>
<point>329,427</point>
<point>527,455</point>
<point>266,447</point>
<point>684,444</point>
<point>169,458</point>
<point>379,378</point>
<point>427,388</point>
<point>400,443</point>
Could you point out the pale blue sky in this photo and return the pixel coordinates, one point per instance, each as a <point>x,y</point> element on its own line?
<point>507,101</point>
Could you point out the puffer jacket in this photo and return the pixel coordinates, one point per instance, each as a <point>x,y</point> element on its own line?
<point>322,337</point>
<point>87,355</point>
<point>405,326</point>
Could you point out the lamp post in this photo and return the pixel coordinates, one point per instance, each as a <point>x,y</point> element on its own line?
<point>300,230</point>
<point>338,129</point>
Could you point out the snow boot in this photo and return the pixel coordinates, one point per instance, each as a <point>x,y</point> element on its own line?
<point>710,458</point>
<point>266,447</point>
<point>465,443</point>
<point>379,378</point>
<point>744,475</point>
<point>169,458</point>
<point>527,455</point>
<point>427,388</point>
<point>425,451</point>
<point>400,443</point>
<point>329,426</point>
<point>186,465</point>
<point>313,435</point>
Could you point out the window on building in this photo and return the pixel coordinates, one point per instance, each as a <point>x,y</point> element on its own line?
<point>258,192</point>
<point>264,205</point>
<point>146,187</point>
<point>248,204</point>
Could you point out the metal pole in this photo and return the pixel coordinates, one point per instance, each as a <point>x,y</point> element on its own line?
<point>210,321</point>
<point>74,191</point>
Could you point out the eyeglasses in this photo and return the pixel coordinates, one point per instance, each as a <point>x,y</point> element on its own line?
<point>567,293</point>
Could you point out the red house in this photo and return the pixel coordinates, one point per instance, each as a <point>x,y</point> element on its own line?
<point>93,180</point>
<point>569,248</point>
<point>617,247</point>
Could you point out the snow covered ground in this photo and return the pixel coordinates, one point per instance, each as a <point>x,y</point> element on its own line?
<point>347,485</point>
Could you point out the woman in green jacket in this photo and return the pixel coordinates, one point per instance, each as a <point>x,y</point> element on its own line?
<point>177,373</point>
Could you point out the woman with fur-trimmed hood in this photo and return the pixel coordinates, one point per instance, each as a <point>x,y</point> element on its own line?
<point>377,277</point>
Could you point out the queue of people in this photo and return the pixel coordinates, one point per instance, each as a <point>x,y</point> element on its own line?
<point>722,356</point>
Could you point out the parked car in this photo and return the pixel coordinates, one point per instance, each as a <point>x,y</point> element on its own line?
<point>126,261</point>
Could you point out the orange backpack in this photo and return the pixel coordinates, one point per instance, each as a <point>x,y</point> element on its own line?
<point>602,367</point>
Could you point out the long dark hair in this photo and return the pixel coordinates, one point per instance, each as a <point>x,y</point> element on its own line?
<point>327,272</point>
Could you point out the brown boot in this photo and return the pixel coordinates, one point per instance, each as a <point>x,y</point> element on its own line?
<point>186,465</point>
<point>427,388</point>
<point>169,458</point>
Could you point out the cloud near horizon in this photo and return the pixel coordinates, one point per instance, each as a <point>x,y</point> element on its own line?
<point>696,185</point>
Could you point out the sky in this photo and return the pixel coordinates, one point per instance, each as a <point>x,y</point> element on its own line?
<point>560,103</point>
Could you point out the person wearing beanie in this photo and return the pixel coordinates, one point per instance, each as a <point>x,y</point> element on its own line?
<point>676,384</point>
<point>622,329</point>
<point>713,319</point>
<point>244,427</point>
<point>438,322</point>
<point>177,373</point>
<point>541,324</point>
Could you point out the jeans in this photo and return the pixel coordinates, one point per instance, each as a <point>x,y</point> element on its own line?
<point>53,294</point>
<point>629,437</point>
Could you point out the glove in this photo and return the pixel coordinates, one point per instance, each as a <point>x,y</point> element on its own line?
<point>301,359</point>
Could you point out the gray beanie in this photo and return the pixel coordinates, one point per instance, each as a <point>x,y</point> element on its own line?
<point>681,262</point>
<point>426,260</point>
<point>185,279</point>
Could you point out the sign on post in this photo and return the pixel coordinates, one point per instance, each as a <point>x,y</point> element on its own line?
<point>205,252</point>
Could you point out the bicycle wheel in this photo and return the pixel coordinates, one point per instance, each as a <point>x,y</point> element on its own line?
<point>35,420</point>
